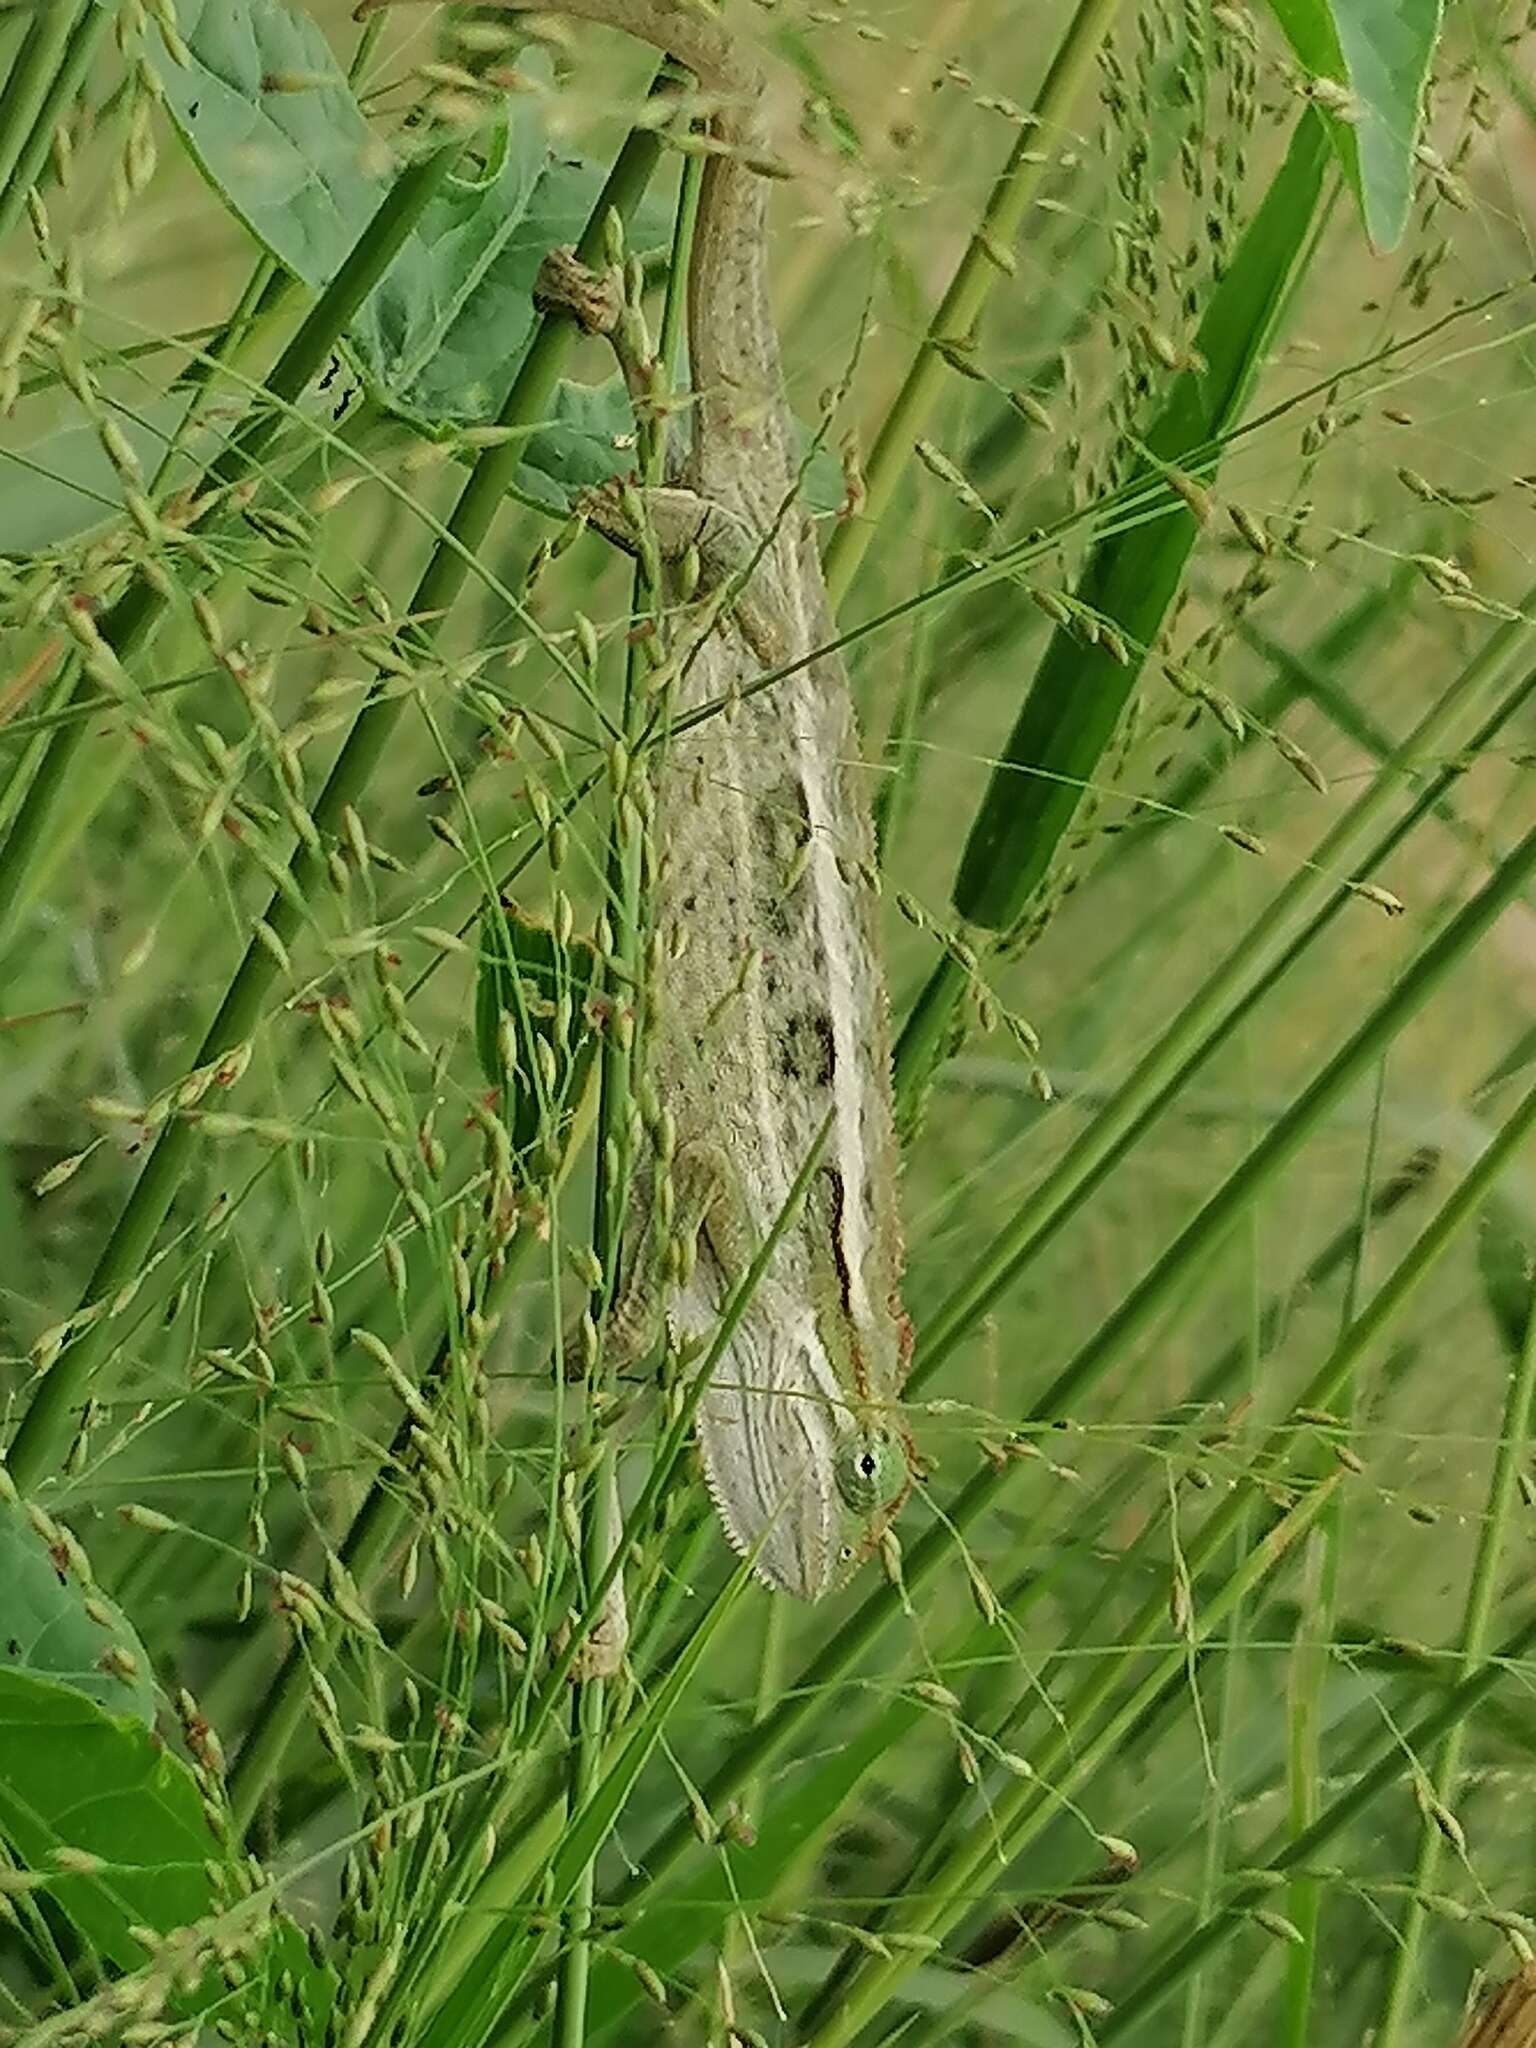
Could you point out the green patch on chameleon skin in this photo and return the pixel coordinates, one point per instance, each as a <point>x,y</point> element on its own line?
<point>872,1476</point>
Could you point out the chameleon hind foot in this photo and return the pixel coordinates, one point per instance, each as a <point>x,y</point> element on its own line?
<point>662,1256</point>
<point>679,520</point>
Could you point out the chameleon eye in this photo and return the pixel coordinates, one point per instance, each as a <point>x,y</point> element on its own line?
<point>870,1471</point>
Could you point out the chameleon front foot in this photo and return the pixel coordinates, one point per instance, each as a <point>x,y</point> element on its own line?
<point>592,298</point>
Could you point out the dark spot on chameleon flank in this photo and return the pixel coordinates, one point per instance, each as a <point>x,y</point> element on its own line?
<point>818,1026</point>
<point>807,1052</point>
<point>781,821</point>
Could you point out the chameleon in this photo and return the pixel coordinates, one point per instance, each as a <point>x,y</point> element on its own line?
<point>767,861</point>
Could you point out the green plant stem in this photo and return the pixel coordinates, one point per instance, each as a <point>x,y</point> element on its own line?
<point>45,76</point>
<point>611,1189</point>
<point>266,290</point>
<point>1316,1622</point>
<point>1494,1538</point>
<point>129,625</point>
<point>1225,1767</point>
<point>900,755</point>
<point>969,288</point>
<point>940,1895</point>
<point>1301,908</point>
<point>1166,1970</point>
<point>47,1422</point>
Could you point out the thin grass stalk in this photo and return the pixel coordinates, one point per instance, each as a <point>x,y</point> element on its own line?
<point>1166,1971</point>
<point>1233,1656</point>
<point>611,1190</point>
<point>1022,1810</point>
<point>987,255</point>
<point>132,620</point>
<point>46,1423</point>
<point>1299,910</point>
<point>927,1557</point>
<point>1316,1623</point>
<point>266,290</point>
<point>1494,1540</point>
<point>942,1890</point>
<point>45,74</point>
<point>900,753</point>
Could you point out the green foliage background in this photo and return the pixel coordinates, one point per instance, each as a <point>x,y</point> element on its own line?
<point>1179,375</point>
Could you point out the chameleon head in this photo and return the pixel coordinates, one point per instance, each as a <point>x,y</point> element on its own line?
<point>804,1484</point>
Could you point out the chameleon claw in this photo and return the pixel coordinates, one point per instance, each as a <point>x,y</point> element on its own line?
<point>592,298</point>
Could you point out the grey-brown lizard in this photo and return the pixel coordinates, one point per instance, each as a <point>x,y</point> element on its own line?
<point>767,865</point>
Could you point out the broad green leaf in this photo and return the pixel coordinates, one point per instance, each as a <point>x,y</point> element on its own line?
<point>1080,692</point>
<point>589,440</point>
<point>441,338</point>
<point>268,114</point>
<point>75,1778</point>
<point>54,1626</point>
<point>266,111</point>
<point>1380,52</point>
